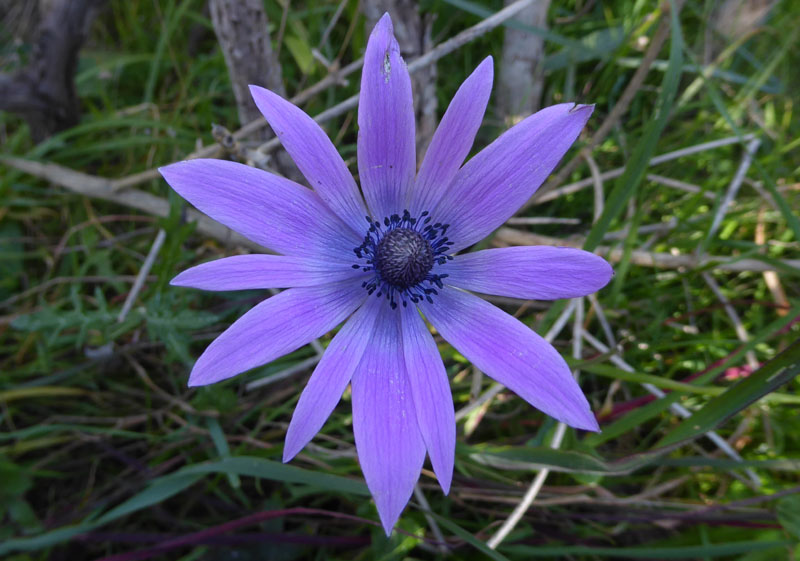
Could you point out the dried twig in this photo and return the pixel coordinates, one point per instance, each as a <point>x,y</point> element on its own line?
<point>67,280</point>
<point>541,220</point>
<point>511,236</point>
<point>733,188</point>
<point>667,157</point>
<point>143,272</point>
<point>738,326</point>
<point>102,188</point>
<point>426,508</point>
<point>597,183</point>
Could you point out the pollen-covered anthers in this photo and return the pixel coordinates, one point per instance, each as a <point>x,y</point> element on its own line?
<point>402,252</point>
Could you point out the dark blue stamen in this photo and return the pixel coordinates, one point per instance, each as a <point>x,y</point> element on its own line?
<point>402,252</point>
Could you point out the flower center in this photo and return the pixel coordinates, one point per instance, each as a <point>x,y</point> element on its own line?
<point>404,258</point>
<point>401,253</point>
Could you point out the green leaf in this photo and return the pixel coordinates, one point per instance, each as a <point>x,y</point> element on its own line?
<point>469,538</point>
<point>637,165</point>
<point>160,490</point>
<point>669,552</point>
<point>14,479</point>
<point>276,471</point>
<point>221,444</point>
<point>788,213</point>
<point>599,44</point>
<point>173,327</point>
<point>788,512</point>
<point>769,377</point>
<point>301,53</point>
<point>170,485</point>
<point>533,458</point>
<point>569,461</point>
<point>53,322</point>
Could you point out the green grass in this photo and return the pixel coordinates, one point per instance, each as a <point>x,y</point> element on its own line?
<point>104,450</point>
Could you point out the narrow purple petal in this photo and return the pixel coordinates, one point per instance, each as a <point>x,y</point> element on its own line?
<point>508,351</point>
<point>453,138</point>
<point>330,378</point>
<point>386,158</point>
<point>430,389</point>
<point>315,155</point>
<point>390,447</point>
<point>535,273</point>
<point>270,210</point>
<point>245,272</point>
<point>496,182</point>
<point>278,325</point>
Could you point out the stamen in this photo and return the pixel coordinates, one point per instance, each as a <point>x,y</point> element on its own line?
<point>401,252</point>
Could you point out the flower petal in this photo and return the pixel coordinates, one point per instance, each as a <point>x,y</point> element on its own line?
<point>315,155</point>
<point>498,180</point>
<point>430,389</point>
<point>330,378</point>
<point>508,351</point>
<point>453,138</point>
<point>245,272</point>
<point>390,447</point>
<point>276,326</point>
<point>386,158</point>
<point>535,273</point>
<point>268,209</point>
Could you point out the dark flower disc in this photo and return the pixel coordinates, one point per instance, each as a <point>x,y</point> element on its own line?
<point>404,258</point>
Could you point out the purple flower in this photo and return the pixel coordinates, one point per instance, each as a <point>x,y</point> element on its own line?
<point>378,262</point>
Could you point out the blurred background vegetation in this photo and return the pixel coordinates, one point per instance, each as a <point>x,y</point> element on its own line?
<point>686,178</point>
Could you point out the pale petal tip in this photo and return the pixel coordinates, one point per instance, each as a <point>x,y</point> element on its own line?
<point>608,274</point>
<point>256,91</point>
<point>388,520</point>
<point>588,423</point>
<point>178,173</point>
<point>195,382</point>
<point>385,21</point>
<point>383,32</point>
<point>176,280</point>
<point>201,376</point>
<point>288,453</point>
<point>578,107</point>
<point>167,170</point>
<point>292,444</point>
<point>444,483</point>
<point>486,68</point>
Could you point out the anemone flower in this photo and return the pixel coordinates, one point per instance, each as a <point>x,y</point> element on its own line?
<point>381,262</point>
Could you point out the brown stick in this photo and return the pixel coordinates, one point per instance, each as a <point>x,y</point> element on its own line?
<point>242,30</point>
<point>102,188</point>
<point>521,66</point>
<point>44,92</point>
